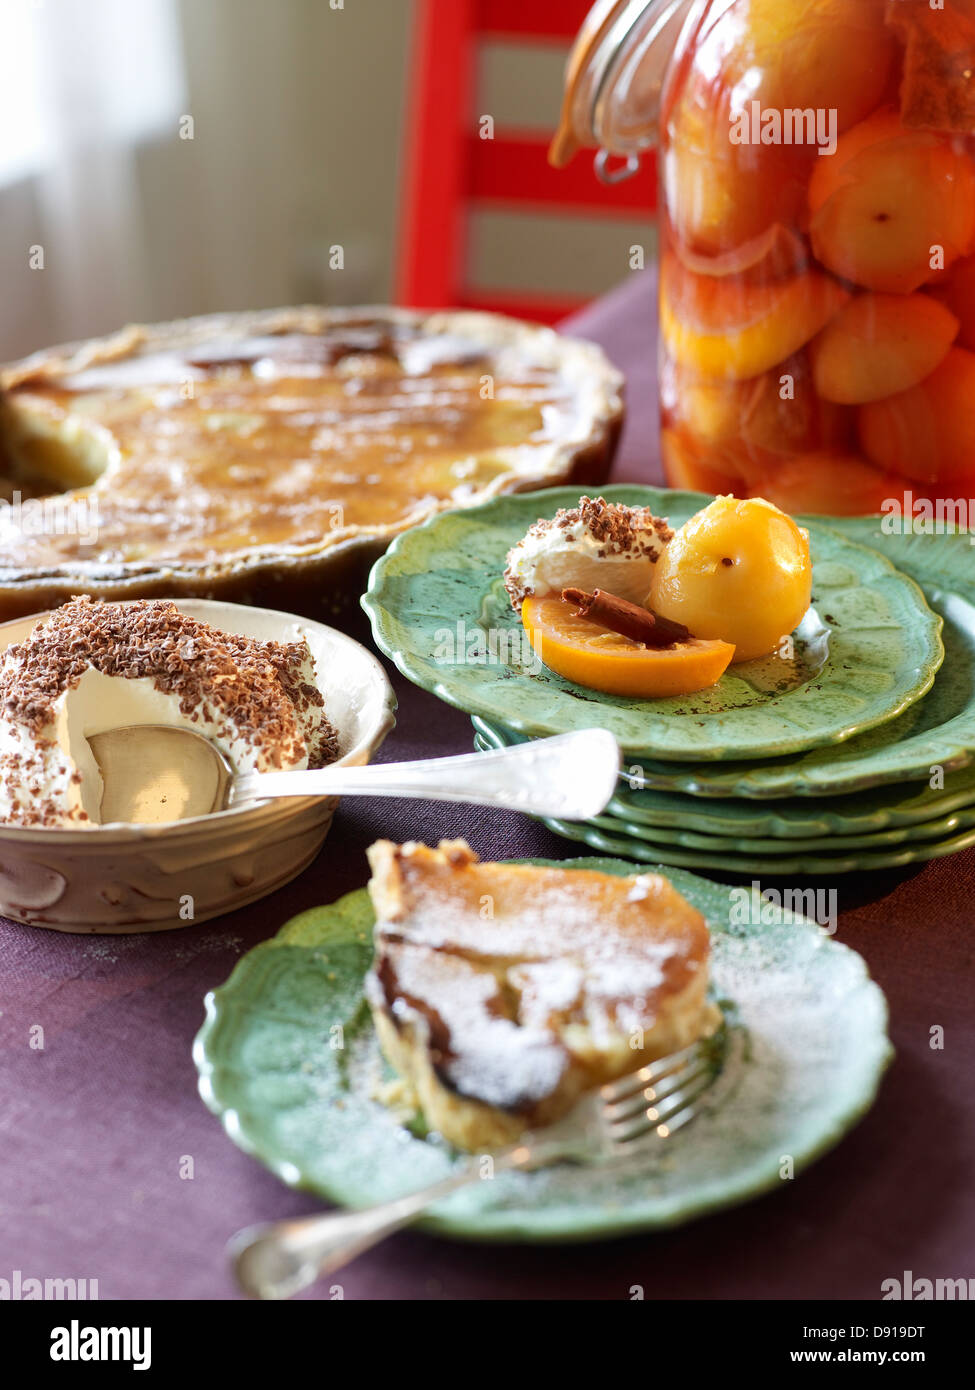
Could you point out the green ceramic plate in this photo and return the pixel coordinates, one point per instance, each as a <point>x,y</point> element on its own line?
<point>288,1060</point>
<point>729,861</point>
<point>722,846</point>
<point>937,732</point>
<point>869,648</point>
<point>831,855</point>
<point>726,849</point>
<point>885,808</point>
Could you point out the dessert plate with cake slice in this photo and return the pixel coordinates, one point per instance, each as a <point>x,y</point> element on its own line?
<point>705,633</point>
<point>237,456</point>
<point>373,1045</point>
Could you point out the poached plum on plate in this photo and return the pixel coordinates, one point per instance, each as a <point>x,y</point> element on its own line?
<point>726,587</point>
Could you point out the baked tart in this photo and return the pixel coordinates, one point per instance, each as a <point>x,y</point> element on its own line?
<point>502,992</point>
<point>273,455</point>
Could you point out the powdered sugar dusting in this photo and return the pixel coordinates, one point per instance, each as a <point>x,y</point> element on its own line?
<point>495,966</point>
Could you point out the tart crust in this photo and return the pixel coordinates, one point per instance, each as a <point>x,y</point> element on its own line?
<point>482,405</point>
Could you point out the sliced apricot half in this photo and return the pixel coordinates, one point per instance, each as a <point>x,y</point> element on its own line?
<point>720,195</point>
<point>690,466</point>
<point>831,172</point>
<point>590,655</point>
<point>778,412</point>
<point>709,408</point>
<point>775,254</point>
<point>828,484</point>
<point>822,56</point>
<point>786,415</point>
<point>956,291</point>
<point>902,209</point>
<point>727,328</point>
<point>828,55</point>
<point>926,433</point>
<point>880,344</point>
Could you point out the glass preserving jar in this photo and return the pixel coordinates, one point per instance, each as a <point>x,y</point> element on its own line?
<point>816,237</point>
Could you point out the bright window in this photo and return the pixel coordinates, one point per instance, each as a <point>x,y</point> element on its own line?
<point>22,137</point>
<point>76,73</point>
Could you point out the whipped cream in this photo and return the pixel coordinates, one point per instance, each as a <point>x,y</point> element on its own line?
<point>91,667</point>
<point>597,545</point>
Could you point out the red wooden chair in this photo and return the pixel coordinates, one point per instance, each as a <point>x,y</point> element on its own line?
<point>450,170</point>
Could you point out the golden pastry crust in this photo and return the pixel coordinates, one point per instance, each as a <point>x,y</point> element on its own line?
<point>502,992</point>
<point>236,456</point>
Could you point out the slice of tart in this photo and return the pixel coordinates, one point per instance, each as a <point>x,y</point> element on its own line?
<point>278,452</point>
<point>502,992</point>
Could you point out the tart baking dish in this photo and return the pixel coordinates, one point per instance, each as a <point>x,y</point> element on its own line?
<point>133,878</point>
<point>271,456</point>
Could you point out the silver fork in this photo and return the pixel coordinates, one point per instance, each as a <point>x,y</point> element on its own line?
<point>623,1121</point>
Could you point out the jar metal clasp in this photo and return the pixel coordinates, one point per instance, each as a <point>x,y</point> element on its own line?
<point>619,173</point>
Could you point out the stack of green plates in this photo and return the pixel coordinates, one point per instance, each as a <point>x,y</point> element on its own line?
<point>865,761</point>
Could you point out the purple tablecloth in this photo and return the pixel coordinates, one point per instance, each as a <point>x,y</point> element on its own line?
<point>97,1125</point>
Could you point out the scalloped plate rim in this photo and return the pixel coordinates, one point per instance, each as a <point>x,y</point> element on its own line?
<point>923,672</point>
<point>729,859</point>
<point>810,865</point>
<point>814,783</point>
<point>488,736</point>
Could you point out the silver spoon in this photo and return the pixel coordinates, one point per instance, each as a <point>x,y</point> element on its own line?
<point>154,774</point>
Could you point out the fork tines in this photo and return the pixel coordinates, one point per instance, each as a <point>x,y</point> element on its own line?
<point>658,1099</point>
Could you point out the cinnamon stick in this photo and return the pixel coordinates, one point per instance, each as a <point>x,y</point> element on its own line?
<point>628,619</point>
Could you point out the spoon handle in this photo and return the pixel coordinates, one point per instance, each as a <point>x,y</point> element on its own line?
<point>277,1259</point>
<point>571,776</point>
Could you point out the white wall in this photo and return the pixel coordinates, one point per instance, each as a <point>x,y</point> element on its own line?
<point>297,112</point>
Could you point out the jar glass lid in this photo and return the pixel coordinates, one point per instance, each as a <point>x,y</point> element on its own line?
<point>615,76</point>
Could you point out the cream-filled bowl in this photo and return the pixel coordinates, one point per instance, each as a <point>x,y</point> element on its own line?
<point>131,878</point>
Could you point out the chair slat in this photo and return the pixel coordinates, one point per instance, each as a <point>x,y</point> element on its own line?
<point>539,20</point>
<point>547,309</point>
<point>514,168</point>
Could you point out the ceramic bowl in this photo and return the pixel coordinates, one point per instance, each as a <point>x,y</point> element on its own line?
<point>131,878</point>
